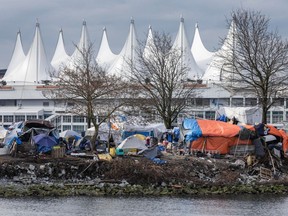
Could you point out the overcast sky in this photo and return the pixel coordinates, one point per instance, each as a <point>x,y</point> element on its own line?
<point>115,15</point>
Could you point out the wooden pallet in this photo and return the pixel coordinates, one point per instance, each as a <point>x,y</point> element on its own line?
<point>265,173</point>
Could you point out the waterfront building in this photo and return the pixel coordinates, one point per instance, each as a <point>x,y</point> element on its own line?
<point>28,76</point>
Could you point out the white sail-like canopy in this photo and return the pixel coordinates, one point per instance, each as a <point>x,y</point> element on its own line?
<point>216,69</point>
<point>105,56</point>
<point>187,59</point>
<point>17,58</point>
<point>150,45</point>
<point>83,45</point>
<point>60,56</point>
<point>121,64</point>
<point>201,55</point>
<point>34,68</point>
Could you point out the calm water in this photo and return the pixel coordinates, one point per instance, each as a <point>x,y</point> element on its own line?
<point>84,206</point>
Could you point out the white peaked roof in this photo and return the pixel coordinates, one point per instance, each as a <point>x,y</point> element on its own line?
<point>60,55</point>
<point>35,67</point>
<point>83,45</point>
<point>150,45</point>
<point>187,60</point>
<point>121,65</point>
<point>105,56</point>
<point>18,56</point>
<point>201,55</point>
<point>216,68</point>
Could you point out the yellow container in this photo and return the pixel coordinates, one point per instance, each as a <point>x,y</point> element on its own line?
<point>112,152</point>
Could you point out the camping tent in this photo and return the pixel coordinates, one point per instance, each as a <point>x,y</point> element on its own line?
<point>154,130</point>
<point>68,133</point>
<point>44,142</point>
<point>132,142</point>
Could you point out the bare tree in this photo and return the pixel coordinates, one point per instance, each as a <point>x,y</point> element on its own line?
<point>256,58</point>
<point>161,78</point>
<point>88,89</point>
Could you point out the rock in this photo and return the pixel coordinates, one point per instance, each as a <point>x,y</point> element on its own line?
<point>31,167</point>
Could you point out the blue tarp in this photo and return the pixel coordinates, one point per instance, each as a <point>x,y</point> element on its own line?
<point>195,131</point>
<point>44,142</point>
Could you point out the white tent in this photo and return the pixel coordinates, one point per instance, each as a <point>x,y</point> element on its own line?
<point>201,55</point>
<point>187,60</point>
<point>18,56</point>
<point>245,115</point>
<point>104,132</point>
<point>35,67</point>
<point>121,66</point>
<point>150,45</point>
<point>68,133</point>
<point>132,142</point>
<point>3,132</point>
<point>83,45</point>
<point>105,56</point>
<point>216,69</point>
<point>60,56</point>
<point>157,129</point>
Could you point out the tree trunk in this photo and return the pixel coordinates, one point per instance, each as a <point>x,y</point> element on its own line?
<point>94,138</point>
<point>264,112</point>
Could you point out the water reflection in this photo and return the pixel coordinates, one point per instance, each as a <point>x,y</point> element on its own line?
<point>106,206</point>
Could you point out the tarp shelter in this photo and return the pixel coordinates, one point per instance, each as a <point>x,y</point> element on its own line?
<point>245,115</point>
<point>132,142</point>
<point>44,142</point>
<point>199,128</point>
<point>3,132</point>
<point>211,135</point>
<point>104,131</point>
<point>69,133</point>
<point>153,130</point>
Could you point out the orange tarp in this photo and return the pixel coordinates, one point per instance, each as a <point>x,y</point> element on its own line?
<point>273,131</point>
<point>285,140</point>
<point>218,128</point>
<point>219,144</point>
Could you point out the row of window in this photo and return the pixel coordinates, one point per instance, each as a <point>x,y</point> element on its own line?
<point>240,102</point>
<point>79,119</point>
<point>77,128</point>
<point>18,118</point>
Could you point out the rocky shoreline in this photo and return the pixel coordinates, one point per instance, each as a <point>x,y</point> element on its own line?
<point>134,176</point>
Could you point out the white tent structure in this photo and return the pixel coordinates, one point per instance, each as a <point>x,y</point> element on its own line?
<point>245,115</point>
<point>104,133</point>
<point>201,55</point>
<point>132,142</point>
<point>121,66</point>
<point>105,56</point>
<point>150,45</point>
<point>60,56</point>
<point>83,45</point>
<point>187,60</point>
<point>216,69</point>
<point>34,68</point>
<point>18,56</point>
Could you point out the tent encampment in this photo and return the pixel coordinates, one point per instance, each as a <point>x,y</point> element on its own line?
<point>218,136</point>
